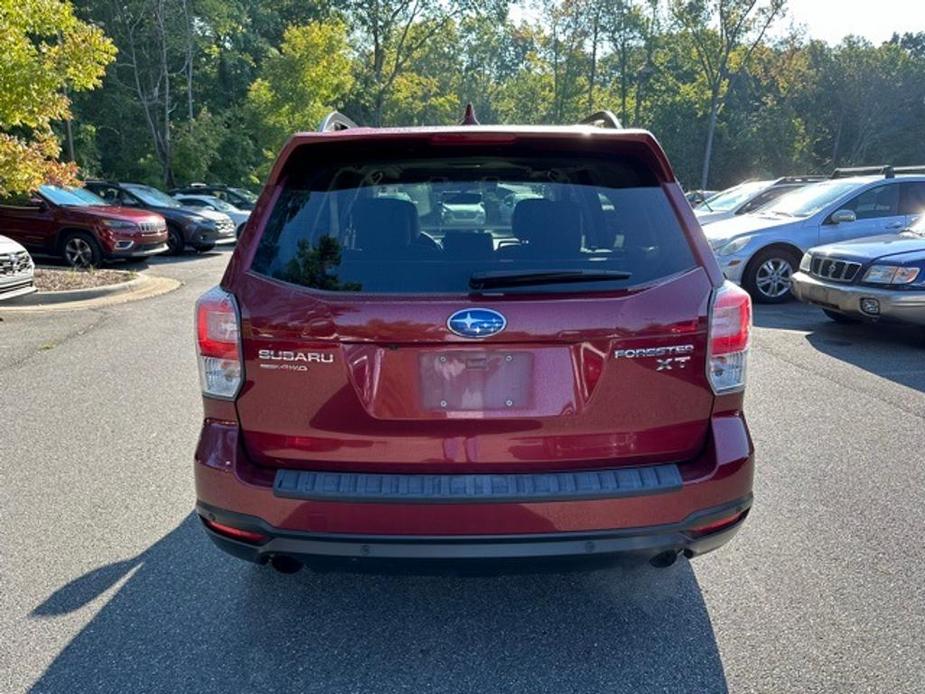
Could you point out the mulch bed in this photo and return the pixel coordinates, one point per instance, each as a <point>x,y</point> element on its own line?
<point>56,280</point>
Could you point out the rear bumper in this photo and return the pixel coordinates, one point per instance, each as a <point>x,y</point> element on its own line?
<point>233,491</point>
<point>907,306</point>
<point>643,542</point>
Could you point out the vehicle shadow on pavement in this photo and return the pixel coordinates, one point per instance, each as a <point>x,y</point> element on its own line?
<point>892,351</point>
<point>191,619</point>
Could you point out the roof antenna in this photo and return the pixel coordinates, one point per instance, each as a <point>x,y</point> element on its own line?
<point>469,118</point>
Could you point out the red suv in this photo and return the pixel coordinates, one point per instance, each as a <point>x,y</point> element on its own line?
<point>81,228</point>
<point>380,382</point>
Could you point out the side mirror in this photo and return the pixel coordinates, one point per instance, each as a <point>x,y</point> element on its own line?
<point>842,216</point>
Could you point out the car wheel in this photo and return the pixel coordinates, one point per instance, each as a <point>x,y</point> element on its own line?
<point>767,277</point>
<point>840,317</point>
<point>175,242</point>
<point>80,250</point>
<point>205,248</point>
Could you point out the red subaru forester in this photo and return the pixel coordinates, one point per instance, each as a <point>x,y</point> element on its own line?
<point>396,367</point>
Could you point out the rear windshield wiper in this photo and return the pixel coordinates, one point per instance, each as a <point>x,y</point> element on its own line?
<point>527,278</point>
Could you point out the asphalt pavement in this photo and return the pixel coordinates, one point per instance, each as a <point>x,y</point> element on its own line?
<point>107,584</point>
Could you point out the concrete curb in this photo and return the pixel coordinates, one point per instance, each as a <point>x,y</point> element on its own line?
<point>142,287</point>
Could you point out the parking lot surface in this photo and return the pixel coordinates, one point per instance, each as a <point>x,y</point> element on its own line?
<point>108,584</point>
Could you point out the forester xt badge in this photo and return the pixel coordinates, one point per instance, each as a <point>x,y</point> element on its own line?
<point>667,358</point>
<point>285,360</point>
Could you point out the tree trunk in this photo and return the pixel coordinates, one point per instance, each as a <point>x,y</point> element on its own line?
<point>593,76</point>
<point>711,131</point>
<point>166,162</point>
<point>189,60</point>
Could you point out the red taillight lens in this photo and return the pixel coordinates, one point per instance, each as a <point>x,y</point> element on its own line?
<point>235,533</point>
<point>730,331</point>
<point>219,343</point>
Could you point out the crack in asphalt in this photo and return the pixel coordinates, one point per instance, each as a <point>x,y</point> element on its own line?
<point>102,317</point>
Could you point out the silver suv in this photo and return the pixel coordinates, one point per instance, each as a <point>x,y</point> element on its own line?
<point>762,250</point>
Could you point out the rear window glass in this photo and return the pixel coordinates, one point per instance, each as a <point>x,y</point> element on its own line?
<point>427,222</point>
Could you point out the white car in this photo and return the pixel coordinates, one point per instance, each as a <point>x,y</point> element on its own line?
<point>462,209</point>
<point>16,270</point>
<point>747,197</point>
<point>762,250</point>
<point>210,203</point>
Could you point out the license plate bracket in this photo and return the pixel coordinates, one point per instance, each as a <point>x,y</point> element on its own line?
<point>476,380</point>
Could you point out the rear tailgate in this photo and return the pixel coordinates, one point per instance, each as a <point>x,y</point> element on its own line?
<point>580,377</point>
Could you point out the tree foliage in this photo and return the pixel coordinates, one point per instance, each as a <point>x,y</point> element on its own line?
<point>47,53</point>
<point>210,89</point>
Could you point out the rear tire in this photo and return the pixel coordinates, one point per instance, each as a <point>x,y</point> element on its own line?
<point>840,317</point>
<point>81,251</point>
<point>175,242</point>
<point>767,276</point>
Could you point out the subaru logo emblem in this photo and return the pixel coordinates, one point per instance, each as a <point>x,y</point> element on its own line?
<point>476,322</point>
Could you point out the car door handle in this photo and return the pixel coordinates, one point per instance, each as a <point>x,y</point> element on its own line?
<point>895,225</point>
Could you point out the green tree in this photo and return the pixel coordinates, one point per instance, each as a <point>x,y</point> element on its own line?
<point>723,33</point>
<point>310,75</point>
<point>47,53</point>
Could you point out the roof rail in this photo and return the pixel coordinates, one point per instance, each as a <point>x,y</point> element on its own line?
<point>886,170</point>
<point>909,169</point>
<point>809,178</point>
<point>335,121</point>
<point>602,119</point>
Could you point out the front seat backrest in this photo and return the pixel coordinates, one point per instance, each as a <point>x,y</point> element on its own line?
<point>384,225</point>
<point>548,227</point>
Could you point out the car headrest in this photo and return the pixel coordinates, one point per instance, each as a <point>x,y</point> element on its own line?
<point>468,244</point>
<point>553,226</point>
<point>384,224</point>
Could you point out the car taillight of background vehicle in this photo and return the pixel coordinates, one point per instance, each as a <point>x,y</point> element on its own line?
<point>219,344</point>
<point>730,332</point>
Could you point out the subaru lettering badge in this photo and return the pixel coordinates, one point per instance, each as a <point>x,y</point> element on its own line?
<point>476,322</point>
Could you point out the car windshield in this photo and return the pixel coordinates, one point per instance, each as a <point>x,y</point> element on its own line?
<point>362,224</point>
<point>244,194</point>
<point>152,196</point>
<point>731,198</point>
<point>217,203</point>
<point>805,202</point>
<point>68,196</point>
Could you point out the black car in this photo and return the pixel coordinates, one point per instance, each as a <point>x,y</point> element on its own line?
<point>873,278</point>
<point>239,197</point>
<point>199,229</point>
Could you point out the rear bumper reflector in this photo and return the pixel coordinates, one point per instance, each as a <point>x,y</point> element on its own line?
<point>476,488</point>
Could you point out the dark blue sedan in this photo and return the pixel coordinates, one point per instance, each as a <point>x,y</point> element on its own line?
<point>879,277</point>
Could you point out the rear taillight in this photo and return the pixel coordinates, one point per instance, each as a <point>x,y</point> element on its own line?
<point>730,331</point>
<point>219,342</point>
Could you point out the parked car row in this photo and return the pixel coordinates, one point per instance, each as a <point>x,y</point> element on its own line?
<point>851,244</point>
<point>107,220</point>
